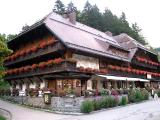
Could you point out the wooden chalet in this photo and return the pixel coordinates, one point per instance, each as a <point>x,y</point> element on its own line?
<point>59,53</point>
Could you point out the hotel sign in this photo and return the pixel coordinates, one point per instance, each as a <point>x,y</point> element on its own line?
<point>149,76</point>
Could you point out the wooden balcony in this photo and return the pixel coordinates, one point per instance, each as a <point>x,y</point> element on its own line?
<point>126,74</point>
<point>146,65</point>
<point>40,52</point>
<point>64,66</point>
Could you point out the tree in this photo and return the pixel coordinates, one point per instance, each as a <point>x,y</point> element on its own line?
<point>136,34</point>
<point>110,22</point>
<point>91,16</point>
<point>4,51</point>
<point>123,19</point>
<point>106,21</point>
<point>11,36</point>
<point>59,7</point>
<point>71,8</point>
<point>3,37</point>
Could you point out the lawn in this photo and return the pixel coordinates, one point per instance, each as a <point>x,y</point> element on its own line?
<point>2,118</point>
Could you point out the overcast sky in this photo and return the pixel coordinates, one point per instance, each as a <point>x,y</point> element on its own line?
<point>16,13</point>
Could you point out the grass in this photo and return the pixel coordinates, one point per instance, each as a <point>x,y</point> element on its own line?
<point>2,118</point>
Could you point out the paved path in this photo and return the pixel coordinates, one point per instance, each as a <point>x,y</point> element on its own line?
<point>144,111</point>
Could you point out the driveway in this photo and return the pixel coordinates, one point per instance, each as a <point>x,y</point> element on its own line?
<point>149,110</point>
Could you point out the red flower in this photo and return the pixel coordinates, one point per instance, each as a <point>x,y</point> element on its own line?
<point>117,68</point>
<point>50,42</point>
<point>123,69</point>
<point>114,92</point>
<point>27,68</point>
<point>15,71</point>
<point>42,65</point>
<point>21,70</point>
<point>42,45</point>
<point>103,71</point>
<point>111,67</point>
<point>81,69</point>
<point>88,69</point>
<point>128,69</point>
<point>137,72</point>
<point>22,53</point>
<point>58,61</point>
<point>27,51</point>
<point>34,49</point>
<point>95,71</point>
<point>34,66</point>
<point>133,71</point>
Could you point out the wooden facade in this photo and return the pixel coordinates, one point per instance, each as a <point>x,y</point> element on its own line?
<point>42,59</point>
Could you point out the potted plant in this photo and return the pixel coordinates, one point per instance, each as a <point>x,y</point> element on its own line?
<point>42,45</point>
<point>34,49</point>
<point>69,92</point>
<point>58,61</point>
<point>34,66</point>
<point>42,65</point>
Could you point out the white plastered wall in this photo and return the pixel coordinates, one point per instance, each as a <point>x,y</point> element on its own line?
<point>86,62</point>
<point>42,84</point>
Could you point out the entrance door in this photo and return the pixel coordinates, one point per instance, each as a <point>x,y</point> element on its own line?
<point>52,84</point>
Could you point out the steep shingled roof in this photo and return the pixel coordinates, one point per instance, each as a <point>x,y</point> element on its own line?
<point>82,37</point>
<point>79,36</point>
<point>129,43</point>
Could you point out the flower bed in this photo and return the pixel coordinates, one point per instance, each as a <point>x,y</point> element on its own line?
<point>134,95</point>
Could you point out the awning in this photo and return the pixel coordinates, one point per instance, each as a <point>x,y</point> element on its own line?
<point>122,78</point>
<point>113,77</point>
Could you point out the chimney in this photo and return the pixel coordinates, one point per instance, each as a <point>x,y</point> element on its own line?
<point>65,15</point>
<point>109,33</point>
<point>72,17</point>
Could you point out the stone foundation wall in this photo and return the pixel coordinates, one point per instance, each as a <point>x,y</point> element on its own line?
<point>61,104</point>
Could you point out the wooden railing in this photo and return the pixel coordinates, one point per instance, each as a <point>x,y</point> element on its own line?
<point>126,74</point>
<point>49,49</point>
<point>146,65</point>
<point>64,66</point>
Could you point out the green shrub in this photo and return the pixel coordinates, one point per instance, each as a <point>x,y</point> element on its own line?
<point>87,106</point>
<point>104,92</point>
<point>136,95</point>
<point>123,100</point>
<point>112,102</point>
<point>145,94</point>
<point>97,105</point>
<point>2,118</point>
<point>158,93</point>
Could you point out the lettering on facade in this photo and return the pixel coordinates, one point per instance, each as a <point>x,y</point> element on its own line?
<point>86,62</point>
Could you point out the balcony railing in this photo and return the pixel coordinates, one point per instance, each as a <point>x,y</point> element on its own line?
<point>129,72</point>
<point>126,74</point>
<point>146,65</point>
<point>63,66</point>
<point>49,49</point>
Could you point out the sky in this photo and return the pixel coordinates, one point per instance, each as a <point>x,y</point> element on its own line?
<point>16,13</point>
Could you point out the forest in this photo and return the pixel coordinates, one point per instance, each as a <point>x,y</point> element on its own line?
<point>103,21</point>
